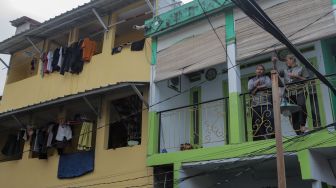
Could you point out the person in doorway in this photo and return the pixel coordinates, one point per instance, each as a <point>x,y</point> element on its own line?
<point>293,76</point>
<point>262,111</point>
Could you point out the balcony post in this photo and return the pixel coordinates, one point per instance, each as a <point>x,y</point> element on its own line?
<point>109,37</point>
<point>236,133</point>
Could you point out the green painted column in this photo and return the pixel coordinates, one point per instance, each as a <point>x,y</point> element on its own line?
<point>236,131</point>
<point>304,159</point>
<point>177,174</point>
<point>154,50</point>
<point>153,134</point>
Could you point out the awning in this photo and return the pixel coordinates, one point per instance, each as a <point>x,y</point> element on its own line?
<point>63,23</point>
<point>191,54</point>
<point>88,93</point>
<point>301,20</point>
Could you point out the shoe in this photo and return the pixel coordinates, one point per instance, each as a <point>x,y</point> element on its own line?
<point>304,129</point>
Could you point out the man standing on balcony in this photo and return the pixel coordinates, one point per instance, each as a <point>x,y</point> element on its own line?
<point>293,76</point>
<point>262,111</point>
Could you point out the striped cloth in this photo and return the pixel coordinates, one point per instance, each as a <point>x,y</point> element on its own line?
<point>85,138</point>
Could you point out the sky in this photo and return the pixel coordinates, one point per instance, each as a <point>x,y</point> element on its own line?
<point>40,10</point>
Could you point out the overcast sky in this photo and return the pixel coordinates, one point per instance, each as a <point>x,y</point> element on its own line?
<point>40,10</point>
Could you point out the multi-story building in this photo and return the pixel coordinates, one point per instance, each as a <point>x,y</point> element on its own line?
<point>201,132</point>
<point>81,80</point>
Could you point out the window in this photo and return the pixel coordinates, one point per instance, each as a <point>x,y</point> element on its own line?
<point>125,122</point>
<point>164,176</point>
<point>11,145</point>
<point>196,116</point>
<point>23,64</point>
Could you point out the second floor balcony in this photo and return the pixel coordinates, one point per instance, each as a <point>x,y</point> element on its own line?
<point>205,123</point>
<point>121,54</point>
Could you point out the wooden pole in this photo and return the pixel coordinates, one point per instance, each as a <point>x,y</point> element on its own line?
<point>278,135</point>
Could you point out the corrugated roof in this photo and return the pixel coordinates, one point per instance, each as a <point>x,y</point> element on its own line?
<point>61,23</point>
<point>66,98</point>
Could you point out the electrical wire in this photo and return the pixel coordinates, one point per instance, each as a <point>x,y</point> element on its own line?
<point>251,154</point>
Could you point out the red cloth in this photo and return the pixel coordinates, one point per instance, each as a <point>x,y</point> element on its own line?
<point>89,49</point>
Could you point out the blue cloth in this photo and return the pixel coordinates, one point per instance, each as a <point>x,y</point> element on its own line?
<point>75,164</point>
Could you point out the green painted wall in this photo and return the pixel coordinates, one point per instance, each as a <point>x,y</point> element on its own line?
<point>330,66</point>
<point>229,26</point>
<point>320,139</point>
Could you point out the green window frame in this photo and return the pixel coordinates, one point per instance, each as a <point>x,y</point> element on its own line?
<point>196,117</point>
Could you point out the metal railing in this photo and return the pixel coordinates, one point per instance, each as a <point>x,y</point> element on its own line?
<point>307,94</point>
<point>193,126</point>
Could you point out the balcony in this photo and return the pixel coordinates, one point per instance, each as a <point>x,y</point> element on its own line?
<point>199,125</point>
<point>104,69</point>
<point>258,119</point>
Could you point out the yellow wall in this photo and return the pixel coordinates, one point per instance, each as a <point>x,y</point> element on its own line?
<point>104,69</point>
<point>110,165</point>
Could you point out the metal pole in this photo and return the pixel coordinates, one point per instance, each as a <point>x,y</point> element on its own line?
<point>99,19</point>
<point>278,134</point>
<point>4,63</point>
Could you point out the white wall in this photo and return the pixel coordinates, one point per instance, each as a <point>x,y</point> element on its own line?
<point>321,169</point>
<point>22,28</point>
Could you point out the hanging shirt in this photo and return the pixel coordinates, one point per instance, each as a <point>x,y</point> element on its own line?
<point>64,132</point>
<point>50,59</point>
<point>55,60</point>
<point>138,45</point>
<point>76,61</point>
<point>89,48</point>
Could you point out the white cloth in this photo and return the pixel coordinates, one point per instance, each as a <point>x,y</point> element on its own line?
<point>60,59</point>
<point>63,131</point>
<point>50,59</point>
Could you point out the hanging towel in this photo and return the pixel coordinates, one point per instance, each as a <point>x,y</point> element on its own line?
<point>60,59</point>
<point>138,45</point>
<point>85,137</point>
<point>75,164</point>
